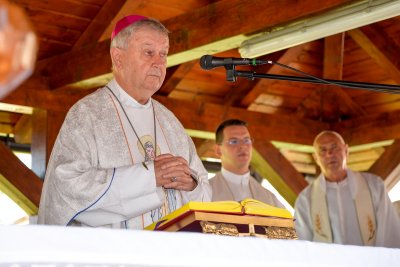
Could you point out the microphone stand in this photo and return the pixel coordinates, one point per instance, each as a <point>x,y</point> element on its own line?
<point>232,74</point>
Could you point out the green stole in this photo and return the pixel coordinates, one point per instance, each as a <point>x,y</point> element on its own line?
<point>364,206</point>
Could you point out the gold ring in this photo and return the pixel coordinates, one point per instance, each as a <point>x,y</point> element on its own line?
<point>173,179</point>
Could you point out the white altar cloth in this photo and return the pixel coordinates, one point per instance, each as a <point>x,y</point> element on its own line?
<point>53,246</point>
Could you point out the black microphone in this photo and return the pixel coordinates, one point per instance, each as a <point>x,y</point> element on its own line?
<point>208,62</point>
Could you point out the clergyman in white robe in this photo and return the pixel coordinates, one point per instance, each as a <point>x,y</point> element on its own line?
<point>342,212</point>
<point>96,176</point>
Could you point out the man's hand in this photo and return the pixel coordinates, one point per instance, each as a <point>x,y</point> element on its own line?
<point>173,172</point>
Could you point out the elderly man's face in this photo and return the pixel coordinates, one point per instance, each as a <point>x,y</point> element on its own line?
<point>331,155</point>
<point>143,64</point>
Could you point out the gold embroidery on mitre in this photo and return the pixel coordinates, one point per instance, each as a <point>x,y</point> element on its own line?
<point>318,226</point>
<point>371,228</point>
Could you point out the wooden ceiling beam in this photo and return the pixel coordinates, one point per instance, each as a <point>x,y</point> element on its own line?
<point>19,175</point>
<point>206,149</point>
<point>23,130</point>
<point>207,116</point>
<point>285,58</point>
<point>91,62</point>
<point>186,43</point>
<point>305,168</point>
<point>333,69</point>
<point>360,166</point>
<point>297,156</point>
<point>44,99</point>
<point>365,155</point>
<point>6,128</point>
<point>271,164</point>
<point>370,128</point>
<point>174,76</point>
<point>379,47</point>
<point>387,163</point>
<point>333,57</point>
<point>8,117</point>
<point>322,102</point>
<point>100,23</point>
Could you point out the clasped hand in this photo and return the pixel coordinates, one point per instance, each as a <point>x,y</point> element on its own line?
<point>173,172</point>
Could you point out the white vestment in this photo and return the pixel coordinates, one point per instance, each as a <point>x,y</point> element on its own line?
<point>96,176</point>
<point>340,199</point>
<point>229,186</point>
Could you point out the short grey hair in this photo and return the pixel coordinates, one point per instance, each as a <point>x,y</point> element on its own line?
<point>328,132</point>
<point>122,38</point>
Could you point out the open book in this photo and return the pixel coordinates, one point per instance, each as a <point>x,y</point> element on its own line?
<point>250,207</point>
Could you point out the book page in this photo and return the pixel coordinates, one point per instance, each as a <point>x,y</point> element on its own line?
<point>255,207</point>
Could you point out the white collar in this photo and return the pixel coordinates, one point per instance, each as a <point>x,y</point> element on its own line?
<point>125,98</point>
<point>235,178</point>
<point>349,180</point>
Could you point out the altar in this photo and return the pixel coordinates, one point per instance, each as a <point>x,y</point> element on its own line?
<point>43,246</point>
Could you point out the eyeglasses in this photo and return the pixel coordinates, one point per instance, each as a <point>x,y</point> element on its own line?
<point>236,142</point>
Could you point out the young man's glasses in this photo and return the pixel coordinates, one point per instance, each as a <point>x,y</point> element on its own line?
<point>236,142</point>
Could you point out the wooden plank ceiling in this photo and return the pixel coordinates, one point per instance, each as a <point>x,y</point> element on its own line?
<point>284,117</point>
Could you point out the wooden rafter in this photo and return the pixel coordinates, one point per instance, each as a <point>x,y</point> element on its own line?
<point>370,128</point>
<point>269,162</point>
<point>288,56</point>
<point>206,149</point>
<point>19,175</point>
<point>100,23</point>
<point>379,47</point>
<point>174,76</point>
<point>324,99</point>
<point>387,163</point>
<point>45,99</point>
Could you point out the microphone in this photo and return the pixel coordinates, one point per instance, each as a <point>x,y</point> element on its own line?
<point>208,62</point>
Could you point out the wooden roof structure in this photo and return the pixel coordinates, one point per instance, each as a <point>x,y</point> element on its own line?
<point>283,116</point>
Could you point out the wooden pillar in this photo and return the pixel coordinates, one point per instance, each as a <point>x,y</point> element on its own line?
<point>45,127</point>
<point>38,146</point>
